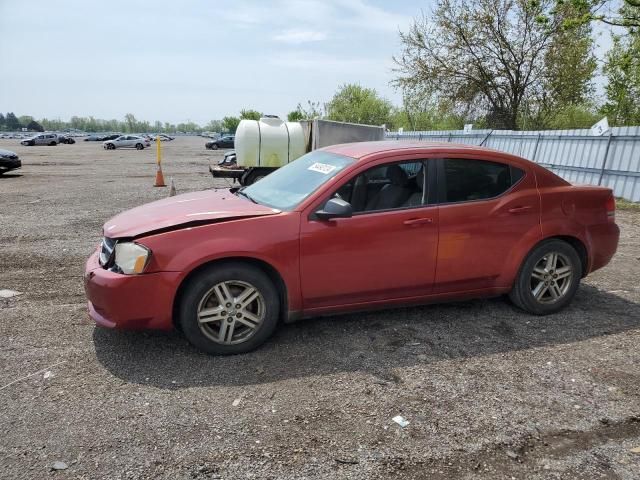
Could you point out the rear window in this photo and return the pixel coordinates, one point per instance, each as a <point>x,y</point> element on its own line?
<point>467,180</point>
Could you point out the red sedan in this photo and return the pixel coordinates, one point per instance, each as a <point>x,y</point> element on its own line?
<point>350,227</point>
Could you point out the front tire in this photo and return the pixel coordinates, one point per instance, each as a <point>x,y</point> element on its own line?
<point>139,146</point>
<point>229,308</point>
<point>548,278</point>
<point>214,146</point>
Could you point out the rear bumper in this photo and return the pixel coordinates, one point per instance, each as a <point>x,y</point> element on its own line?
<point>131,302</point>
<point>604,243</point>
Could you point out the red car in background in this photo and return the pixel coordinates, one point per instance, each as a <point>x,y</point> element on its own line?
<point>345,228</point>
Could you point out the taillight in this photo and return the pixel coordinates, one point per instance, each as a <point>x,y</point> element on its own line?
<point>610,206</point>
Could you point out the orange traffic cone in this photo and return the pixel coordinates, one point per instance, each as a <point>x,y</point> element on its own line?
<point>159,177</point>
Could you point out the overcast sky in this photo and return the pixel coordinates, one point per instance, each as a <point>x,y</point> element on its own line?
<point>192,60</point>
<point>198,60</point>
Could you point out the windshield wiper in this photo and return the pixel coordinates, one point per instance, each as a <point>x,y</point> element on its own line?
<point>247,196</point>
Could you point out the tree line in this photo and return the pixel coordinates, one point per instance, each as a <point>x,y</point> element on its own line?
<point>10,122</point>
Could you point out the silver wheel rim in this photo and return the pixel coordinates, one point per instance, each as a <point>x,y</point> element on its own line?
<point>551,278</point>
<point>231,312</point>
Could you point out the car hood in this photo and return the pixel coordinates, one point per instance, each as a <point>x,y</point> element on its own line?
<point>182,211</point>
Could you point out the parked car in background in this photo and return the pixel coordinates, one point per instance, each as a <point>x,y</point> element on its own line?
<point>226,141</point>
<point>41,139</point>
<point>350,227</point>
<point>110,136</point>
<point>163,137</point>
<point>229,160</point>
<point>65,139</point>
<point>94,138</point>
<point>9,161</point>
<point>127,141</point>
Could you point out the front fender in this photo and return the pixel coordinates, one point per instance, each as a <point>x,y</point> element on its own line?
<point>272,239</point>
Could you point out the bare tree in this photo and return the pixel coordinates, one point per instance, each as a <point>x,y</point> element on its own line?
<point>484,57</point>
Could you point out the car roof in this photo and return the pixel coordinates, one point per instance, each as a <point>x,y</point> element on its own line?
<point>359,150</point>
<point>364,151</point>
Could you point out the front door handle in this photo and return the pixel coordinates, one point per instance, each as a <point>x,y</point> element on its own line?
<point>520,209</point>
<point>418,221</point>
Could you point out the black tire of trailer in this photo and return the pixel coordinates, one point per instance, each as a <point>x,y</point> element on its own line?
<point>253,174</point>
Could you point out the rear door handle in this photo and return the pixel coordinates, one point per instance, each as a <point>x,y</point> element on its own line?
<point>418,221</point>
<point>520,209</point>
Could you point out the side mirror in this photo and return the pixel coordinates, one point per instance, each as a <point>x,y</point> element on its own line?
<point>335,208</point>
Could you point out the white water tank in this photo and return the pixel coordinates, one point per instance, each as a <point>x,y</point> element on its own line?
<point>268,142</point>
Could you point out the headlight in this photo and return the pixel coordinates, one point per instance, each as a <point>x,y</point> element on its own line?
<point>131,258</point>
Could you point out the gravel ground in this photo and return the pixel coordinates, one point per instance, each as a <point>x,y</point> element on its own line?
<point>490,392</point>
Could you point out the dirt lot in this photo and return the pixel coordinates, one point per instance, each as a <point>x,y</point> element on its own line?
<point>489,392</point>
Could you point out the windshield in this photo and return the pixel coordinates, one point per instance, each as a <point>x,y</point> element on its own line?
<point>285,188</point>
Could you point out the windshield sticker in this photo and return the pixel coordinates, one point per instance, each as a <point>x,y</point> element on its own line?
<point>322,168</point>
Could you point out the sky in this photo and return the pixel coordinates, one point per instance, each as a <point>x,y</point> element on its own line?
<point>197,60</point>
<point>193,60</point>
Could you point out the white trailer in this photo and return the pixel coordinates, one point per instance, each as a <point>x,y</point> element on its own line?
<point>262,146</point>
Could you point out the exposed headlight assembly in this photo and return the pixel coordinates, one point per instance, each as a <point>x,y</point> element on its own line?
<point>131,258</point>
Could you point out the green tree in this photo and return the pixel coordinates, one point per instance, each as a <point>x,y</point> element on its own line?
<point>572,116</point>
<point>622,69</point>
<point>295,116</point>
<point>312,111</point>
<point>246,114</point>
<point>355,104</point>
<point>570,65</point>
<point>25,119</point>
<point>11,122</point>
<point>214,126</point>
<point>230,124</point>
<point>425,118</point>
<point>189,127</point>
<point>130,120</point>
<point>605,11</point>
<point>2,121</point>
<point>35,126</point>
<point>567,89</point>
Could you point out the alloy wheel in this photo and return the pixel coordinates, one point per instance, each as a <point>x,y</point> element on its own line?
<point>551,278</point>
<point>231,312</point>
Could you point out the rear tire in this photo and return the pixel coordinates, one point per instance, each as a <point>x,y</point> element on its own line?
<point>548,278</point>
<point>229,308</point>
<point>52,144</point>
<point>139,146</point>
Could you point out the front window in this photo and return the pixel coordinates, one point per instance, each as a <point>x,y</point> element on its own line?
<point>288,186</point>
<point>386,187</point>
